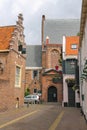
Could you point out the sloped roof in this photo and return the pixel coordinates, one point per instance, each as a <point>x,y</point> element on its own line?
<point>56,29</point>
<point>34,55</point>
<point>54,70</point>
<point>5,36</point>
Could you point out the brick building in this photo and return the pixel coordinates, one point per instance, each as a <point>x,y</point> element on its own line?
<point>52,40</point>
<point>83,59</point>
<point>44,59</point>
<point>33,68</point>
<point>12,65</point>
<point>71,96</point>
<point>51,72</point>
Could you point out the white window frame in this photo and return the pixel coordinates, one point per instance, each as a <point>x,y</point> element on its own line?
<point>18,77</point>
<point>74,46</point>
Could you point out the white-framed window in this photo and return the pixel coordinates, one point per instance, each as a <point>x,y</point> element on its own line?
<point>18,76</point>
<point>35,74</point>
<point>74,46</point>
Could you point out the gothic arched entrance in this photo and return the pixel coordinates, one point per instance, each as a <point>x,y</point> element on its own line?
<point>52,94</point>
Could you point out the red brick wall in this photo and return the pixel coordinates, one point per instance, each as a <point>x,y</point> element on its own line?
<point>50,61</point>
<point>46,83</point>
<point>18,92</point>
<point>8,91</point>
<point>44,59</point>
<point>32,83</point>
<point>49,58</point>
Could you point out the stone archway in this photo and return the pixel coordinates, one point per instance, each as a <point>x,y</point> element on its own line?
<point>52,94</point>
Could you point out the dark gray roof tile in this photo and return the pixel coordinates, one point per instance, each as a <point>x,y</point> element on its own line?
<point>56,29</point>
<point>33,55</point>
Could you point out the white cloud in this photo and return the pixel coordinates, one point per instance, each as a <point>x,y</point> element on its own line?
<point>36,6</point>
<point>32,12</point>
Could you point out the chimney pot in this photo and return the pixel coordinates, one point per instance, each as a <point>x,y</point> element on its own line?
<point>43,17</point>
<point>47,40</point>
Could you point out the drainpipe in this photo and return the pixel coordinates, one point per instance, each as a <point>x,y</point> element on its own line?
<point>81,90</point>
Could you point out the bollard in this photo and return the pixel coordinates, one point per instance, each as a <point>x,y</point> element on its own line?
<point>17,102</point>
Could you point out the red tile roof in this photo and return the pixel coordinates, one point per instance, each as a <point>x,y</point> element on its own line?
<point>5,36</point>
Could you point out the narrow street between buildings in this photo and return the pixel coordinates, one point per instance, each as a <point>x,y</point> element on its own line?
<point>43,117</point>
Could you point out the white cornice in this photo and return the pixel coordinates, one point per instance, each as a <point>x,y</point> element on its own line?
<point>7,50</point>
<point>70,57</point>
<point>34,68</point>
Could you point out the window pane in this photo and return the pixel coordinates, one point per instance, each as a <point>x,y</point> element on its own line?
<point>35,74</point>
<point>74,46</point>
<point>35,90</point>
<point>17,76</point>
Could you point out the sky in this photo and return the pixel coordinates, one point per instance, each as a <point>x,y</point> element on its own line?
<point>33,10</point>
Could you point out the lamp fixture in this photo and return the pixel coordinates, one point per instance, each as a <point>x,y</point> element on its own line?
<point>72,63</point>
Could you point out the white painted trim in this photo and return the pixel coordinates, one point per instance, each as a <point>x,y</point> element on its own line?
<point>4,50</point>
<point>18,86</point>
<point>64,46</point>
<point>70,57</point>
<point>34,68</point>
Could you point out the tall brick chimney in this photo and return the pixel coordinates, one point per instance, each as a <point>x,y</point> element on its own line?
<point>42,31</point>
<point>43,17</point>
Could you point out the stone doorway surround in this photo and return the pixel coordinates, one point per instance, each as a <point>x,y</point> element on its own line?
<point>52,94</point>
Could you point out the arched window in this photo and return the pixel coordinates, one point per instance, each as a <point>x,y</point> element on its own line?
<point>54,58</point>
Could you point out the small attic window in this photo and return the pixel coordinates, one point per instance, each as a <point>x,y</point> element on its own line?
<point>20,48</point>
<point>74,46</point>
<point>19,45</point>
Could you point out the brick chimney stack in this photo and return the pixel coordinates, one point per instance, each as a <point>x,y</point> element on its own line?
<point>42,30</point>
<point>43,17</point>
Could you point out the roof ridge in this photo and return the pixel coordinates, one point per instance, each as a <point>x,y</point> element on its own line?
<point>34,45</point>
<point>7,26</point>
<point>63,19</point>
